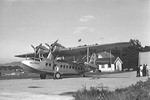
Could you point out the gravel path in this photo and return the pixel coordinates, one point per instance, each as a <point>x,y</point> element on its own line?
<point>50,89</point>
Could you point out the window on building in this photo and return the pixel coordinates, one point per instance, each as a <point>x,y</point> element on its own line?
<point>46,64</point>
<point>103,66</point>
<point>49,64</point>
<point>109,65</point>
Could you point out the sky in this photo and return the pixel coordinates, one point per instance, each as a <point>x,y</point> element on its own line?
<point>26,22</point>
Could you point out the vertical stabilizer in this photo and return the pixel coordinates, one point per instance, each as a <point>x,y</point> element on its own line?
<point>50,56</point>
<point>93,58</point>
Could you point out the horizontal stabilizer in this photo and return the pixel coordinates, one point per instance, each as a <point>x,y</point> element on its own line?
<point>90,65</point>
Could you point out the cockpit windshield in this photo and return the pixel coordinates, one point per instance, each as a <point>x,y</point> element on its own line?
<point>36,59</point>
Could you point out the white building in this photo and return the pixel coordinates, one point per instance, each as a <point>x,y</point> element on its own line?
<point>144,58</point>
<point>109,63</point>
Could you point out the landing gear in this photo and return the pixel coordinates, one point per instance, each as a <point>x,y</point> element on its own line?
<point>56,68</point>
<point>83,75</point>
<point>57,75</point>
<point>42,76</point>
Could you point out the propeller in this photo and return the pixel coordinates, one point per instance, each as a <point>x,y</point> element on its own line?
<point>37,48</point>
<point>52,45</point>
<point>49,46</point>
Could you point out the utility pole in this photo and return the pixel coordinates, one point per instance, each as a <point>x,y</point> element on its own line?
<point>110,58</point>
<point>88,50</point>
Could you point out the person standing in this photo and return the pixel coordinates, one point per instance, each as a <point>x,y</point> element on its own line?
<point>141,70</point>
<point>138,71</point>
<point>148,70</point>
<point>144,70</point>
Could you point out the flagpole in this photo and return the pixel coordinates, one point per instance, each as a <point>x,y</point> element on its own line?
<point>79,40</point>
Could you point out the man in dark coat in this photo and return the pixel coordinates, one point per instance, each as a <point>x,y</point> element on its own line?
<point>144,70</point>
<point>138,71</point>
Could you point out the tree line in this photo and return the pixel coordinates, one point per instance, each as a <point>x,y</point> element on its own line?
<point>10,67</point>
<point>130,55</point>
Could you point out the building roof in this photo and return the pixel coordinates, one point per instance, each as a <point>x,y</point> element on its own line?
<point>108,60</point>
<point>105,55</point>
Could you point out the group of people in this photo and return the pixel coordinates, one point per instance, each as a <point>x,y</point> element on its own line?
<point>143,70</point>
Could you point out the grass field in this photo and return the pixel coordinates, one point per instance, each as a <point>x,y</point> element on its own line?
<point>17,75</point>
<point>139,91</point>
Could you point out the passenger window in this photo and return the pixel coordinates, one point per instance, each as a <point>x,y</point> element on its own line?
<point>46,64</point>
<point>60,66</point>
<point>72,67</point>
<point>49,64</point>
<point>69,67</point>
<point>64,66</point>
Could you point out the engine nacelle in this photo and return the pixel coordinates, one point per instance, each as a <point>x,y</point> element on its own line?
<point>56,49</point>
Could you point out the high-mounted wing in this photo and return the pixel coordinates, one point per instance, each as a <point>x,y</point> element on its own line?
<point>30,55</point>
<point>82,50</point>
<point>37,50</point>
<point>92,49</point>
<point>26,55</point>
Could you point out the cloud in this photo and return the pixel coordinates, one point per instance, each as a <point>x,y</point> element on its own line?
<point>87,18</point>
<point>81,30</point>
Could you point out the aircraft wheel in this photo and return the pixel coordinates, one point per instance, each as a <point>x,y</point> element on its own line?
<point>83,75</point>
<point>57,75</point>
<point>42,76</point>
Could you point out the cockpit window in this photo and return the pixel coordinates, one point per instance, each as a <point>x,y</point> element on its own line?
<point>37,59</point>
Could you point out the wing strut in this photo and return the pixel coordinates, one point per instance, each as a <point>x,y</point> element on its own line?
<point>88,50</point>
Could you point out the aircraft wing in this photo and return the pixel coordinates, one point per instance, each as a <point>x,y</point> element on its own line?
<point>26,55</point>
<point>82,50</point>
<point>93,49</point>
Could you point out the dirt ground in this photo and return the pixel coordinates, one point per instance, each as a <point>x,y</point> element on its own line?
<point>50,89</point>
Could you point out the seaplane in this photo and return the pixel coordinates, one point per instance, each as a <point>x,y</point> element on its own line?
<point>51,59</point>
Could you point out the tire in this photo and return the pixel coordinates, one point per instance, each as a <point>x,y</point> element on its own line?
<point>83,75</point>
<point>57,75</point>
<point>43,76</point>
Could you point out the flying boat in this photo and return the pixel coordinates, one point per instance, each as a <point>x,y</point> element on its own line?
<point>50,59</point>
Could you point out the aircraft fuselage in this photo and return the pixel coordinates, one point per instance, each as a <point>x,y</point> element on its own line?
<point>48,67</point>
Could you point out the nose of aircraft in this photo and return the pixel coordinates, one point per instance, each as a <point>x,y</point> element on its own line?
<point>25,65</point>
<point>25,62</point>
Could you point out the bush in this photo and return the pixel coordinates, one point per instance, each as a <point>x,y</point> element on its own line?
<point>139,91</point>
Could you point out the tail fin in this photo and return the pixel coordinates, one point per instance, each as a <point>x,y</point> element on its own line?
<point>93,58</point>
<point>50,56</point>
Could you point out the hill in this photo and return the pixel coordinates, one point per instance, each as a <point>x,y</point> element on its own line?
<point>11,64</point>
